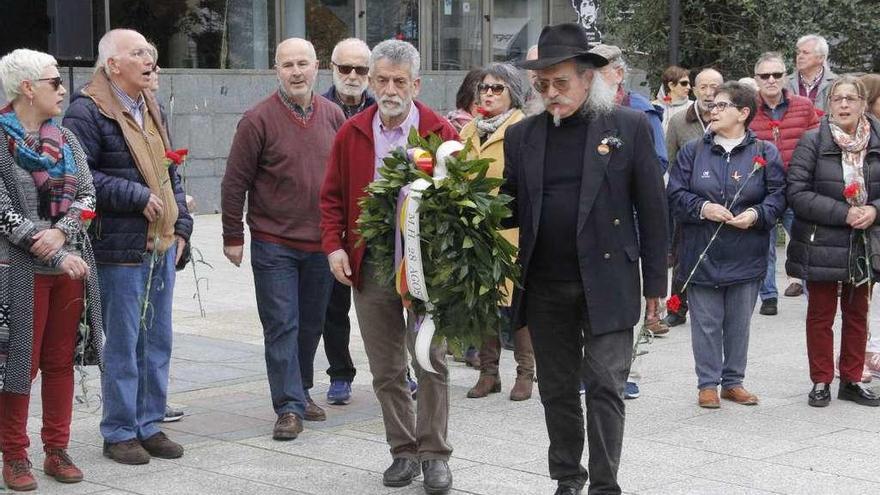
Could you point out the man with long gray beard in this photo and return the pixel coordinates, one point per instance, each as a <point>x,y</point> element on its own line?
<point>358,152</point>
<point>580,265</point>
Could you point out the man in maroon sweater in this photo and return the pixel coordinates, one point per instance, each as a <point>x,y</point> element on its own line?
<point>358,151</point>
<point>278,158</point>
<point>782,118</point>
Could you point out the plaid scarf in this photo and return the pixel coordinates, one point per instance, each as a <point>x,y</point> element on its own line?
<point>48,158</point>
<point>854,148</point>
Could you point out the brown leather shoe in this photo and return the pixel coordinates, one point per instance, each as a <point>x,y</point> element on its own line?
<point>708,398</point>
<point>127,452</point>
<point>18,476</point>
<point>522,389</point>
<point>658,328</point>
<point>487,384</point>
<point>162,447</point>
<point>313,412</point>
<point>287,427</point>
<point>59,466</point>
<point>740,395</point>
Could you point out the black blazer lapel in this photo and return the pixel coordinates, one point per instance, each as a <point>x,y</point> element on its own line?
<point>595,165</point>
<point>533,162</point>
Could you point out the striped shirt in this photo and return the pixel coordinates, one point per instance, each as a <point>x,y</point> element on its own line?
<point>136,108</point>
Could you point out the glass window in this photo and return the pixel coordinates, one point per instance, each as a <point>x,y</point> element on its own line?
<point>388,19</point>
<point>515,28</point>
<point>209,34</point>
<point>458,34</point>
<point>324,23</point>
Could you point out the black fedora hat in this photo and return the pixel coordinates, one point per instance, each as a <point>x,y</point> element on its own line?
<point>560,43</point>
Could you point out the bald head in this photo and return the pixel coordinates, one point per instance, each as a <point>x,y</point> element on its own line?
<point>127,59</point>
<point>297,68</point>
<point>351,48</point>
<point>705,85</point>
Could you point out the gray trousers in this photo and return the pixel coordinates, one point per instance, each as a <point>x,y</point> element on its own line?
<point>419,434</point>
<point>720,322</point>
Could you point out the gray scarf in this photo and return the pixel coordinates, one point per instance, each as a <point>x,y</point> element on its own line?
<point>487,127</point>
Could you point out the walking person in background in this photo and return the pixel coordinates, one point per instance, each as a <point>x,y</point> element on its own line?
<point>834,190</point>
<point>46,266</point>
<point>502,93</point>
<point>718,184</point>
<point>277,161</point>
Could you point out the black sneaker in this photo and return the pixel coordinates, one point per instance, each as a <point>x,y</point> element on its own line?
<point>675,319</point>
<point>768,307</point>
<point>857,393</point>
<point>820,396</point>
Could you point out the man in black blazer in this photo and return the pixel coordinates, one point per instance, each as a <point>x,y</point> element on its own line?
<point>577,172</point>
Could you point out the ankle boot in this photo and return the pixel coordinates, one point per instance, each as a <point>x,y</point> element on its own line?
<point>487,384</point>
<point>522,389</point>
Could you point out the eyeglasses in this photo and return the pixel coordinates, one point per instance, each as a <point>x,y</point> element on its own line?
<point>776,75</point>
<point>54,81</point>
<point>141,53</point>
<point>346,69</point>
<point>542,85</point>
<point>847,98</point>
<point>721,106</point>
<point>495,89</point>
<point>683,83</point>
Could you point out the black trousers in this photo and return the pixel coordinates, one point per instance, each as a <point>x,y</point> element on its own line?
<point>566,353</point>
<point>337,333</point>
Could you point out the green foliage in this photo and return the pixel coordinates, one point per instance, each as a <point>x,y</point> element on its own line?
<point>730,34</point>
<point>465,258</point>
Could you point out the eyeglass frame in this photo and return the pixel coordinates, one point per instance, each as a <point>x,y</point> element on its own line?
<point>543,85</point>
<point>358,69</point>
<point>686,82</point>
<point>766,76</point>
<point>56,81</point>
<point>722,106</point>
<point>484,88</point>
<point>851,99</point>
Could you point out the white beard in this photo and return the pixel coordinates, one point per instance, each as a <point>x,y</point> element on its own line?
<point>601,99</point>
<point>391,111</point>
<point>346,90</point>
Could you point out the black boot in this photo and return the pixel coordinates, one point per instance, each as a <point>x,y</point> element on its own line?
<point>858,394</point>
<point>438,477</point>
<point>401,472</point>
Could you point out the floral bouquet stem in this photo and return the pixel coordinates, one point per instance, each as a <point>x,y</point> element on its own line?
<point>674,302</point>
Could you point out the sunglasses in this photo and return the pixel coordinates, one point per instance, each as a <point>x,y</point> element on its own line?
<point>346,69</point>
<point>542,85</point>
<point>54,81</point>
<point>685,83</point>
<point>851,99</point>
<point>721,106</point>
<point>495,89</point>
<point>776,75</point>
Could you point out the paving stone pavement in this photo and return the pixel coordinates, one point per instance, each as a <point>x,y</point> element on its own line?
<point>671,446</point>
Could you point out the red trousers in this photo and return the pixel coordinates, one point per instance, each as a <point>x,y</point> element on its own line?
<point>821,312</point>
<point>58,305</point>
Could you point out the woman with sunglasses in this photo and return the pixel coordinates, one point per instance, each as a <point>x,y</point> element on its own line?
<point>502,92</point>
<point>834,190</point>
<point>726,192</point>
<point>674,93</point>
<point>47,264</point>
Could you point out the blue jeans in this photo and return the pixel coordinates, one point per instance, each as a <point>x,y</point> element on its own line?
<point>293,288</point>
<point>720,322</point>
<point>768,287</point>
<point>135,380</point>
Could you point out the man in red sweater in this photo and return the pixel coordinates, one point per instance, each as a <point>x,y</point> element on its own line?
<point>782,118</point>
<point>278,158</point>
<point>360,146</point>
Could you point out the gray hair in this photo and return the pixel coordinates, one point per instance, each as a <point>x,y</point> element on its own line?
<point>512,77</point>
<point>398,53</point>
<point>22,65</point>
<point>350,41</point>
<point>821,44</point>
<point>770,57</point>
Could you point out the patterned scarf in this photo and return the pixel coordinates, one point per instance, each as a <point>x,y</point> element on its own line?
<point>487,127</point>
<point>48,158</point>
<point>854,148</point>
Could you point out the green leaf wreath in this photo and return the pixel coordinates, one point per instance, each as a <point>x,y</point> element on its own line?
<point>465,258</point>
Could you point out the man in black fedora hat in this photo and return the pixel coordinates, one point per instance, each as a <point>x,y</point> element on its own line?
<point>576,173</point>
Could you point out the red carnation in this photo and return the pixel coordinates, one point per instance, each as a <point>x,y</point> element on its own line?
<point>482,111</point>
<point>86,215</point>
<point>667,99</point>
<point>759,162</point>
<point>775,123</point>
<point>176,157</point>
<point>673,304</point>
<point>851,191</point>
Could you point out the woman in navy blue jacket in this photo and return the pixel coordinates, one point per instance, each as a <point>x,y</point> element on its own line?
<point>703,196</point>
